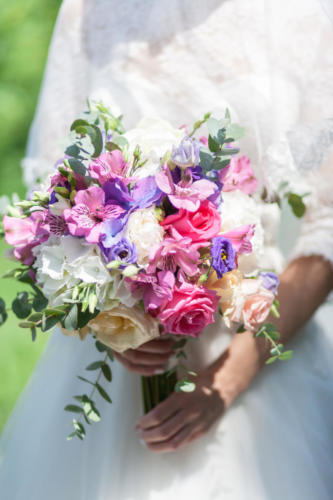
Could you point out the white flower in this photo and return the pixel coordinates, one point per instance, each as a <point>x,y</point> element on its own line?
<point>239,209</point>
<point>91,270</point>
<point>155,137</point>
<point>144,230</point>
<point>59,206</point>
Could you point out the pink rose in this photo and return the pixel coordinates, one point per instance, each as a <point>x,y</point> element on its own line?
<point>189,311</point>
<point>239,175</point>
<point>200,226</point>
<point>257,308</point>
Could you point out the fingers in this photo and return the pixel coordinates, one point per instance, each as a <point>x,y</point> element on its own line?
<point>145,370</point>
<point>186,435</point>
<point>166,430</point>
<point>158,346</point>
<point>161,412</point>
<point>145,358</point>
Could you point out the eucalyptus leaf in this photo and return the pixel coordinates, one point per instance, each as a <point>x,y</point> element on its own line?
<point>206,159</point>
<point>85,380</point>
<point>103,393</point>
<point>100,347</point>
<point>49,322</point>
<point>297,204</point>
<point>33,333</point>
<point>70,321</point>
<point>96,365</point>
<point>40,302</point>
<point>234,132</point>
<point>2,306</point>
<point>73,408</point>
<point>107,372</point>
<point>271,360</point>
<point>213,145</point>
<point>73,150</point>
<point>286,355</point>
<point>20,306</point>
<point>77,166</point>
<point>3,317</point>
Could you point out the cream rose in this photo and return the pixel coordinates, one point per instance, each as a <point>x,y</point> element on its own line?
<point>144,230</point>
<point>123,328</point>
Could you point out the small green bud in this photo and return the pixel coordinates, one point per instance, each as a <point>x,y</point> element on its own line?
<point>114,264</point>
<point>130,270</point>
<point>203,278</point>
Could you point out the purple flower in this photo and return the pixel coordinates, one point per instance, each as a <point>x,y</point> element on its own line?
<point>146,192</point>
<point>187,153</point>
<point>223,255</point>
<point>122,251</point>
<point>270,281</point>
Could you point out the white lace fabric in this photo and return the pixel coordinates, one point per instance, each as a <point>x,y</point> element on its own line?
<point>269,62</point>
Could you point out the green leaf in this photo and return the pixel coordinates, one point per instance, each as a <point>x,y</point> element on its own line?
<point>73,408</point>
<point>219,164</point>
<point>33,333</point>
<point>111,146</point>
<point>2,306</point>
<point>241,329</point>
<point>40,302</point>
<point>213,145</point>
<point>275,351</point>
<point>103,393</point>
<point>95,366</point>
<point>185,386</point>
<point>206,159</point>
<point>3,317</point>
<point>77,166</point>
<point>110,355</point>
<point>228,152</point>
<point>107,372</point>
<point>271,360</point>
<point>73,150</point>
<point>26,324</point>
<point>297,205</point>
<point>79,427</point>
<point>120,141</point>
<point>35,317</point>
<point>70,321</point>
<point>234,132</point>
<point>21,307</point>
<point>83,317</point>
<point>49,322</point>
<point>286,355</point>
<point>90,410</point>
<point>100,347</point>
<point>85,380</point>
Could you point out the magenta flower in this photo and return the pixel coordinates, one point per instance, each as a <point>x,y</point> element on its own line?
<point>157,290</point>
<point>239,175</point>
<point>186,194</point>
<point>90,212</point>
<point>173,253</point>
<point>109,166</point>
<point>240,237</point>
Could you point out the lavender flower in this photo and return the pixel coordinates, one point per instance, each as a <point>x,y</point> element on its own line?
<point>223,256</point>
<point>187,153</point>
<point>122,251</point>
<point>270,281</point>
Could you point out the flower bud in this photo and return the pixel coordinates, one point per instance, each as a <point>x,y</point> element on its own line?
<point>114,264</point>
<point>130,270</point>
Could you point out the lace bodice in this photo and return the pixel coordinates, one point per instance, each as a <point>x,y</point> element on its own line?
<point>269,62</point>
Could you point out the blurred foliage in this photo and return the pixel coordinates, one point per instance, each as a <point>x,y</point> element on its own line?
<point>25,31</point>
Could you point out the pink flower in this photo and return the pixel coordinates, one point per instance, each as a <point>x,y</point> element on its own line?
<point>108,166</point>
<point>173,253</point>
<point>257,308</point>
<point>89,212</point>
<point>204,140</point>
<point>186,194</point>
<point>240,238</point>
<point>239,175</point>
<point>200,226</point>
<point>25,234</point>
<point>157,290</point>
<point>189,311</point>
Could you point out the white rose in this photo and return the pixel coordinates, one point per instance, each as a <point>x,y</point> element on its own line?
<point>155,137</point>
<point>144,230</point>
<point>239,209</point>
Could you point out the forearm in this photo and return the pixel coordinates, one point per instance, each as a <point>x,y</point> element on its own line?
<point>304,285</point>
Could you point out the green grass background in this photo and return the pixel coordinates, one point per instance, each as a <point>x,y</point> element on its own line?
<point>25,31</point>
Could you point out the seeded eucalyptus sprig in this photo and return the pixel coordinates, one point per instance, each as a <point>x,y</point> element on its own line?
<point>87,409</point>
<point>269,332</point>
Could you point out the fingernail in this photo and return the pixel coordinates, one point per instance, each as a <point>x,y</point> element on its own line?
<point>143,443</point>
<point>159,372</point>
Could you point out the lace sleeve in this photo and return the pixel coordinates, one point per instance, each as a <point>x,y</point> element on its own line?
<point>303,155</point>
<point>62,96</point>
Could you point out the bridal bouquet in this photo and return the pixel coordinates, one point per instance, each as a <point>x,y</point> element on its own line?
<point>138,234</point>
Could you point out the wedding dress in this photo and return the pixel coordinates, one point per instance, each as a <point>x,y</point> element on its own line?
<point>271,64</point>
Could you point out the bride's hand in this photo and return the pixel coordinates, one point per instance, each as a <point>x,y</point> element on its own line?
<point>182,417</point>
<point>150,358</point>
